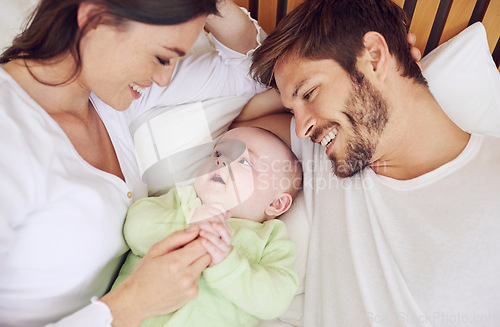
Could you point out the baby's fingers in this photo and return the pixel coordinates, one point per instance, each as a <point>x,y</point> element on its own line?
<point>224,232</point>
<point>216,247</point>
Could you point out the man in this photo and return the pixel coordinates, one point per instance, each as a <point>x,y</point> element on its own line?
<point>405,230</point>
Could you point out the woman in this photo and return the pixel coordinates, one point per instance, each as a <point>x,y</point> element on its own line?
<point>68,167</point>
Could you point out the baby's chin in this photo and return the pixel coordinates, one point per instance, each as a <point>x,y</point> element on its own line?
<point>210,197</point>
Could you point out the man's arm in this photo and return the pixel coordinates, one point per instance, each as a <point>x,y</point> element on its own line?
<point>278,124</point>
<point>266,111</point>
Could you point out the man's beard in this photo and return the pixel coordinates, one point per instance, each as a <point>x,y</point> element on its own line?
<point>367,113</point>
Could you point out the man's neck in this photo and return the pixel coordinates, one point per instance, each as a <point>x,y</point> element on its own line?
<point>419,138</point>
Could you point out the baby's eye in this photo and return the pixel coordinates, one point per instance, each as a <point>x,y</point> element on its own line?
<point>245,162</point>
<point>217,154</point>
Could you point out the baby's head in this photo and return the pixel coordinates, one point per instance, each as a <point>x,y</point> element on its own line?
<point>252,172</point>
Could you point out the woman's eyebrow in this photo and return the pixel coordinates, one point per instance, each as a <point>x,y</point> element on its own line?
<point>180,52</point>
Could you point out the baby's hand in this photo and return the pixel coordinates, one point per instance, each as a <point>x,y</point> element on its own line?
<point>218,243</point>
<point>215,233</point>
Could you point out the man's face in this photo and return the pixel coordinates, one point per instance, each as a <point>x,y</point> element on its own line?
<point>345,114</point>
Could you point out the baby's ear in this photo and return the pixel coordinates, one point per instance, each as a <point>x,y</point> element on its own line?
<point>279,205</point>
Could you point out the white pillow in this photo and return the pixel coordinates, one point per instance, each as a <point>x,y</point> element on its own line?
<point>298,230</point>
<point>12,17</point>
<point>465,81</point>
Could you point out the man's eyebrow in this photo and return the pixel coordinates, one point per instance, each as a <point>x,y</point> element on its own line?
<point>299,85</point>
<point>180,52</point>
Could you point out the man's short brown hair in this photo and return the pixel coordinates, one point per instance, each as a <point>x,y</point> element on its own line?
<point>334,29</point>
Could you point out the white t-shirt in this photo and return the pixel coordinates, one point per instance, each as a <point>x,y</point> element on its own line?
<point>421,252</point>
<point>61,219</point>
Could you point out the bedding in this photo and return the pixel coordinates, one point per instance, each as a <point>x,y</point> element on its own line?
<point>12,17</point>
<point>460,72</point>
<point>461,75</point>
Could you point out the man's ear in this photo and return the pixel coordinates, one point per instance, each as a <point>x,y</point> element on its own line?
<point>377,56</point>
<point>279,205</point>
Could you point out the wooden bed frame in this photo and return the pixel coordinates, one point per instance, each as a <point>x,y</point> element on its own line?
<point>432,21</point>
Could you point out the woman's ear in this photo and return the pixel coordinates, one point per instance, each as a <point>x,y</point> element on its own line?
<point>279,205</point>
<point>85,11</point>
<point>377,55</point>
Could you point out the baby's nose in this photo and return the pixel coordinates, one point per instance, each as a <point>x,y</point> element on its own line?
<point>220,162</point>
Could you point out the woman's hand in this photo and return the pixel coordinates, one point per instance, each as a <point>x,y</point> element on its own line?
<point>232,27</point>
<point>162,282</point>
<point>415,52</point>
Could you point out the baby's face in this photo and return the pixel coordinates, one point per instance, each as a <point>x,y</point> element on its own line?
<point>244,172</point>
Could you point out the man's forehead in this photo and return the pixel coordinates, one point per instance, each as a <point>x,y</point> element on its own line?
<point>290,73</point>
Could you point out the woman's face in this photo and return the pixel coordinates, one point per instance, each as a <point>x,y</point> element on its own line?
<point>118,63</point>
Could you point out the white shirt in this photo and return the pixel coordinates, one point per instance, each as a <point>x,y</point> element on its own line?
<point>421,252</point>
<point>61,219</point>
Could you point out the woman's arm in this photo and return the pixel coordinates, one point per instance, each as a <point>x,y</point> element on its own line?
<point>233,28</point>
<point>163,281</point>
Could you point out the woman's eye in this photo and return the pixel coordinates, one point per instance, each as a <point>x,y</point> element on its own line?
<point>163,62</point>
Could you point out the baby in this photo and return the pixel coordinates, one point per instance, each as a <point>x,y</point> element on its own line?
<point>251,177</point>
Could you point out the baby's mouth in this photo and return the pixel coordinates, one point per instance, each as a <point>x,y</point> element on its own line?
<point>216,178</point>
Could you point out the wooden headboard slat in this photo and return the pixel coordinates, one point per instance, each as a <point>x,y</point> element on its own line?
<point>458,19</point>
<point>496,54</point>
<point>491,22</point>
<point>253,8</point>
<point>292,4</point>
<point>268,14</point>
<point>409,8</point>
<point>438,25</point>
<point>479,11</point>
<point>433,21</point>
<point>422,21</point>
<point>282,10</point>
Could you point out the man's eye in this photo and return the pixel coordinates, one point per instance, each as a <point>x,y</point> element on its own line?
<point>289,110</point>
<point>163,61</point>
<point>308,95</point>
